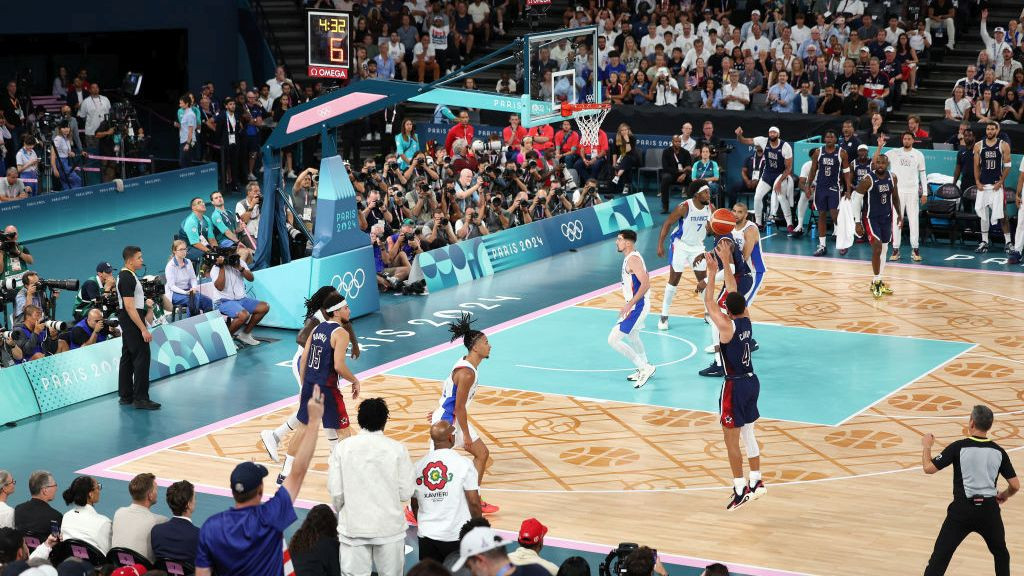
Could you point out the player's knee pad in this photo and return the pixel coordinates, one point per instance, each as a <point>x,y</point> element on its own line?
<point>749,441</point>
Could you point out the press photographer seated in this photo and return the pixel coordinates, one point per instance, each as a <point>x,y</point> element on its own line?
<point>33,291</point>
<point>182,286</point>
<point>35,337</point>
<point>16,256</point>
<point>229,276</point>
<point>97,292</point>
<point>586,196</point>
<point>93,329</point>
<point>391,269</point>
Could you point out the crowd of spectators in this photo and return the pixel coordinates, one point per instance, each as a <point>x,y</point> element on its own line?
<point>370,478</point>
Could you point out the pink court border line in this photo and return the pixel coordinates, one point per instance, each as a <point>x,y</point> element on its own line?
<point>104,469</point>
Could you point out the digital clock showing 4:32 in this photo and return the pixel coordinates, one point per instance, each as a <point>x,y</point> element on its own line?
<point>328,44</point>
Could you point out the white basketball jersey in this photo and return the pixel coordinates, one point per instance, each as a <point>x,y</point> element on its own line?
<point>630,283</point>
<point>756,259</point>
<point>691,229</point>
<point>450,391</point>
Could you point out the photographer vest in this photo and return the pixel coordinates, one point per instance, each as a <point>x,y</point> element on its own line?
<point>84,325</point>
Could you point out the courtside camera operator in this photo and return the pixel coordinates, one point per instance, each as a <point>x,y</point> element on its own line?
<point>133,377</point>
<point>16,256</point>
<point>587,196</point>
<point>229,275</point>
<point>425,203</point>
<point>441,232</point>
<point>10,353</point>
<point>97,293</point>
<point>197,229</point>
<point>630,560</point>
<point>35,337</point>
<point>32,292</point>
<point>93,329</point>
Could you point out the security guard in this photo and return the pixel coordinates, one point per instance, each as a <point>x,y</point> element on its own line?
<point>133,378</point>
<point>977,464</point>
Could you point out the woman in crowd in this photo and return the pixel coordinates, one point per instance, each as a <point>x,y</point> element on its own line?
<point>958,106</point>
<point>639,87</point>
<point>407,144</point>
<point>314,546</point>
<point>985,108</point>
<point>82,521</point>
<point>625,156</point>
<point>631,55</point>
<point>908,57</point>
<point>710,95</point>
<point>278,110</point>
<point>799,75</point>
<point>1012,108</point>
<point>695,79</point>
<point>182,285</point>
<point>853,45</point>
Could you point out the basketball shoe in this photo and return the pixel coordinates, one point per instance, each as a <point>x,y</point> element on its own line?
<point>270,443</point>
<point>876,289</point>
<point>885,289</point>
<point>738,500</point>
<point>486,508</point>
<point>758,490</point>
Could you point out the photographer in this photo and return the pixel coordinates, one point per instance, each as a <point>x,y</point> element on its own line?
<point>538,173</point>
<point>93,329</point>
<point>664,89</point>
<point>519,212</point>
<point>34,337</point>
<point>558,200</point>
<point>373,211</point>
<point>396,204</point>
<point>248,210</point>
<point>539,209</point>
<point>509,181</point>
<point>461,159</point>
<point>406,240</point>
<point>12,187</point>
<point>425,203</point>
<point>103,140</point>
<point>470,226</point>
<point>10,353</point>
<point>390,270</point>
<point>32,293</point>
<point>229,277</point>
<point>93,290</point>
<point>587,196</point>
<point>441,233</point>
<point>493,209</point>
<point>182,286</point>
<point>16,256</point>
<point>467,190</point>
<point>422,167</point>
<point>304,193</point>
<point>133,374</point>
<point>393,174</point>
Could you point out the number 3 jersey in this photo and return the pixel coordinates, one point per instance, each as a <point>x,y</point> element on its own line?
<point>320,362</point>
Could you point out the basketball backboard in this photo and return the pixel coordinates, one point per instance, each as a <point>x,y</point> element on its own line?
<point>571,75</point>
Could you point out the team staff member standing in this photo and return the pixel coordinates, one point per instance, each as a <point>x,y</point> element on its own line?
<point>133,378</point>
<point>907,164</point>
<point>977,464</point>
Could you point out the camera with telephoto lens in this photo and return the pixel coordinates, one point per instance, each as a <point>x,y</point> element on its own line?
<point>542,201</point>
<point>409,236</point>
<point>614,563</point>
<point>497,201</point>
<point>70,284</point>
<point>10,243</point>
<point>153,286</point>
<point>55,325</point>
<point>109,325</point>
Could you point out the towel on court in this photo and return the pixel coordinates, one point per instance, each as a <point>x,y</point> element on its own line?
<point>844,224</point>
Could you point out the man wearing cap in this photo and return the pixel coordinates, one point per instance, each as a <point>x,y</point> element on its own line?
<point>996,43</point>
<point>248,540</point>
<point>755,19</point>
<point>894,70</point>
<point>531,541</point>
<point>483,553</point>
<point>446,496</point>
<point>1009,67</point>
<point>93,288</point>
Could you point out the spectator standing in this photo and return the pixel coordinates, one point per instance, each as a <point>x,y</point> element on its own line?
<point>531,542</point>
<point>178,538</point>
<point>314,546</point>
<point>7,484</point>
<point>369,476</point>
<point>133,376</point>
<point>461,131</point>
<point>275,84</point>
<point>132,524</point>
<point>27,160</point>
<point>186,133</point>
<point>36,514</point>
<point>446,494</point>
<point>94,109</point>
<point>82,521</point>
<point>229,128</point>
<point>781,94</point>
<point>248,540</point>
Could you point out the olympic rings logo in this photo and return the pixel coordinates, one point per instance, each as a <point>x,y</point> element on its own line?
<point>349,283</point>
<point>573,230</point>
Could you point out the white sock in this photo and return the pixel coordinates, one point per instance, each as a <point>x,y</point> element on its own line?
<point>821,241</point>
<point>984,237</point>
<point>670,292</point>
<point>755,477</point>
<point>287,468</point>
<point>801,209</point>
<point>288,426</point>
<point>738,484</point>
<point>878,278</point>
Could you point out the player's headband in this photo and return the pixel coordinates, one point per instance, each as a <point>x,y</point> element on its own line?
<point>703,188</point>
<point>337,306</point>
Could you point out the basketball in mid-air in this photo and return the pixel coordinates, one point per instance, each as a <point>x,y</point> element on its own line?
<point>723,221</point>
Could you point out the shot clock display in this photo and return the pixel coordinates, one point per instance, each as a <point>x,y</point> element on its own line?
<point>327,44</point>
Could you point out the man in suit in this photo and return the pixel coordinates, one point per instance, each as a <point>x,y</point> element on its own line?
<point>178,538</point>
<point>132,524</point>
<point>805,102</point>
<point>36,514</point>
<point>675,167</point>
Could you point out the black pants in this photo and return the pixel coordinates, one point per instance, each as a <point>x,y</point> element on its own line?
<point>436,549</point>
<point>133,378</point>
<point>962,518</point>
<point>665,188</point>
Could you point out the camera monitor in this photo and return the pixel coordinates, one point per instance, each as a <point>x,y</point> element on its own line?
<point>132,84</point>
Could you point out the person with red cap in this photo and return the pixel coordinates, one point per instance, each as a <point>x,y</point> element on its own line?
<point>136,570</point>
<point>531,541</point>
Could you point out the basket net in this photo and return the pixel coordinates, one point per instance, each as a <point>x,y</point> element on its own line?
<point>589,118</point>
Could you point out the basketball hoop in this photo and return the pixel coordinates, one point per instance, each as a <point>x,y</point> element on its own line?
<point>589,117</point>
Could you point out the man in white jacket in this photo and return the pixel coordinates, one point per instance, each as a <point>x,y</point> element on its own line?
<point>369,476</point>
<point>907,163</point>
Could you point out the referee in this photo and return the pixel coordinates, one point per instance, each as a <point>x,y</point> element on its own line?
<point>977,463</point>
<point>133,378</point>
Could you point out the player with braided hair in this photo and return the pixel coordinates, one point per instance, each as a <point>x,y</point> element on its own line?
<point>315,314</point>
<point>458,392</point>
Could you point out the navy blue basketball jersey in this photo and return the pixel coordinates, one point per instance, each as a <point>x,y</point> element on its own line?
<point>991,163</point>
<point>861,170</point>
<point>774,162</point>
<point>738,262</point>
<point>829,164</point>
<point>320,363</point>
<point>878,200</point>
<point>736,352</point>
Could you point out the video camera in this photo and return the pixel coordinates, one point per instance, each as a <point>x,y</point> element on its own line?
<point>230,255</point>
<point>153,286</point>
<point>106,304</point>
<point>614,562</point>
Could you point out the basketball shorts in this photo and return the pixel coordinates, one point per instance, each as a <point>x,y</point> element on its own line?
<point>826,198</point>
<point>335,414</point>
<point>994,200</point>
<point>766,185</point>
<point>682,256</point>
<point>744,285</point>
<point>634,321</point>
<point>737,402</point>
<point>459,438</point>
<point>879,228</point>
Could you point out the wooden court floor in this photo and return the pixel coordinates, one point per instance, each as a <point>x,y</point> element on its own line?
<point>842,500</point>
